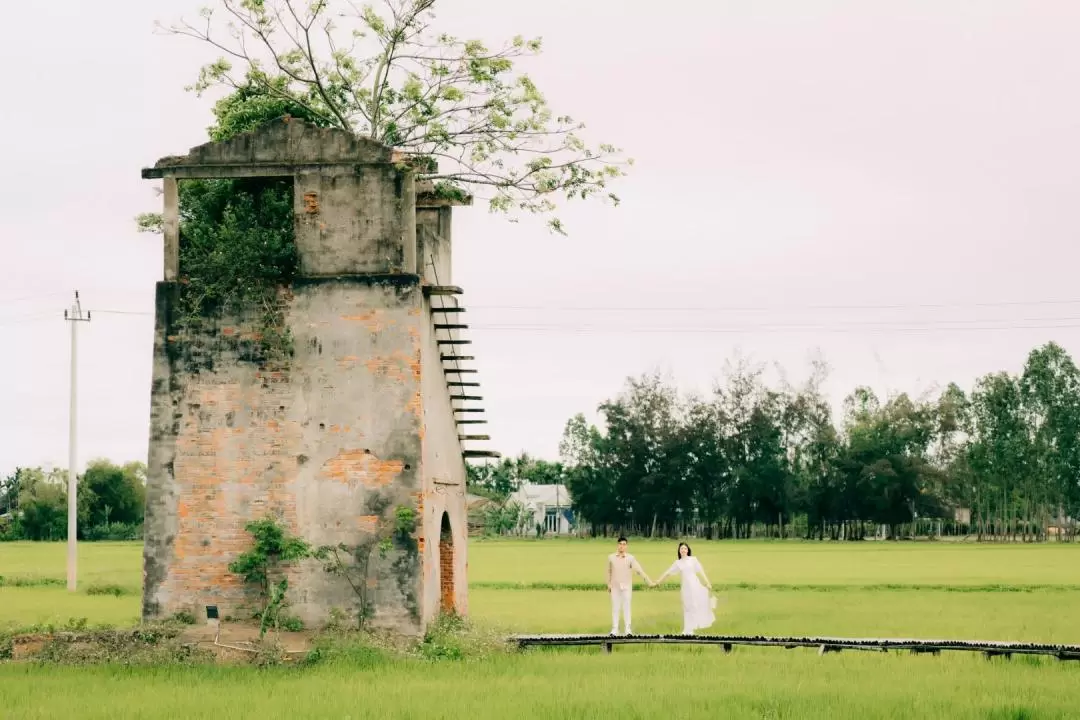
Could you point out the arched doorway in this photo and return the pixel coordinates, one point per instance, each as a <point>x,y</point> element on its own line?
<point>446,567</point>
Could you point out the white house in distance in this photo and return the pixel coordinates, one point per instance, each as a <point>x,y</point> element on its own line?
<point>549,504</point>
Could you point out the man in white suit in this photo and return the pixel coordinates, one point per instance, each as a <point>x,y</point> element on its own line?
<point>620,582</point>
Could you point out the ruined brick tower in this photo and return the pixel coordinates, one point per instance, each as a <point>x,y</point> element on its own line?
<point>363,417</point>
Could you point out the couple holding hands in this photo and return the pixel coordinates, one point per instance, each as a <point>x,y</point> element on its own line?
<point>697,603</point>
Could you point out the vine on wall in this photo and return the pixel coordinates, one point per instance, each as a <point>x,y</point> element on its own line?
<point>237,251</point>
<point>237,237</point>
<point>263,566</point>
<point>357,563</point>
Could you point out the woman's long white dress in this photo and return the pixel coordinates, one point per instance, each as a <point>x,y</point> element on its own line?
<point>697,606</point>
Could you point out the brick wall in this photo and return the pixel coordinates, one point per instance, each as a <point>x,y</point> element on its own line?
<point>314,440</point>
<point>446,574</point>
<point>357,422</point>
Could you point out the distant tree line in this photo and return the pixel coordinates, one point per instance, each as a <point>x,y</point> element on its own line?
<point>498,481</point>
<point>33,503</point>
<point>749,460</point>
<point>1001,462</point>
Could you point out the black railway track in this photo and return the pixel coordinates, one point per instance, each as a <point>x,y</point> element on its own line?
<point>823,644</point>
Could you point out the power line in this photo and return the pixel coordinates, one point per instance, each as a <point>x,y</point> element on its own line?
<point>43,314</point>
<point>37,296</point>
<point>691,308</point>
<point>49,296</point>
<point>767,308</point>
<point>26,318</point>
<point>872,326</point>
<point>580,329</point>
<point>781,325</point>
<point>854,323</point>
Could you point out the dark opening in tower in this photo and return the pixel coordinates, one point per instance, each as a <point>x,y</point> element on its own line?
<point>446,567</point>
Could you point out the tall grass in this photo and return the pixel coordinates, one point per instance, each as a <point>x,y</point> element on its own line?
<point>793,563</point>
<point>99,563</point>
<point>638,683</point>
<point>581,562</point>
<point>863,590</point>
<point>1037,616</point>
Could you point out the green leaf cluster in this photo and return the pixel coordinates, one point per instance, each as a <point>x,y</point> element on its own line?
<point>263,565</point>
<point>1002,461</point>
<point>237,239</point>
<point>387,74</point>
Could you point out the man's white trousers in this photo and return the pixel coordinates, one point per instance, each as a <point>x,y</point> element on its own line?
<point>620,603</point>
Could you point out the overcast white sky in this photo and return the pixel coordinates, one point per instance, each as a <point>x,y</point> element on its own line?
<point>923,156</point>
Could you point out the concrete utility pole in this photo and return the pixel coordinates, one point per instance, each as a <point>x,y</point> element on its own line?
<point>73,316</point>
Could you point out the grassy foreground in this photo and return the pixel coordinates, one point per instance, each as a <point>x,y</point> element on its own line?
<point>684,683</point>
<point>871,589</point>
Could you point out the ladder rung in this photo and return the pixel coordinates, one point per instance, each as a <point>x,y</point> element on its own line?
<point>459,371</point>
<point>473,437</point>
<point>481,453</point>
<point>442,290</point>
<point>468,410</point>
<point>448,358</point>
<point>450,326</point>
<point>462,384</point>
<point>471,422</point>
<point>454,342</point>
<point>447,309</point>
<point>466,397</point>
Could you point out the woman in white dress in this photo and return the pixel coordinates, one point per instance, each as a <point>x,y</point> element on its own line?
<point>696,601</point>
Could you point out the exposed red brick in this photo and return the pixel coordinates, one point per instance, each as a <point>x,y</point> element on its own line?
<point>359,467</point>
<point>399,366</point>
<point>416,404</point>
<point>446,576</point>
<point>226,476</point>
<point>373,320</point>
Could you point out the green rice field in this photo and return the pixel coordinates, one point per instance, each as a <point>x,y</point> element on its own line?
<point>932,590</point>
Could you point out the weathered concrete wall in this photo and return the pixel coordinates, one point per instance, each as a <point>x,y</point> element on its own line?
<point>433,244</point>
<point>357,222</point>
<point>286,140</point>
<point>317,440</point>
<point>444,479</point>
<point>355,205</point>
<point>354,423</point>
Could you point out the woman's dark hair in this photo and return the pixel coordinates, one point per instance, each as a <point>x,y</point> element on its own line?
<point>689,552</point>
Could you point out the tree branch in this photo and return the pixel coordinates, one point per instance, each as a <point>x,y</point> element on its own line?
<point>427,94</point>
